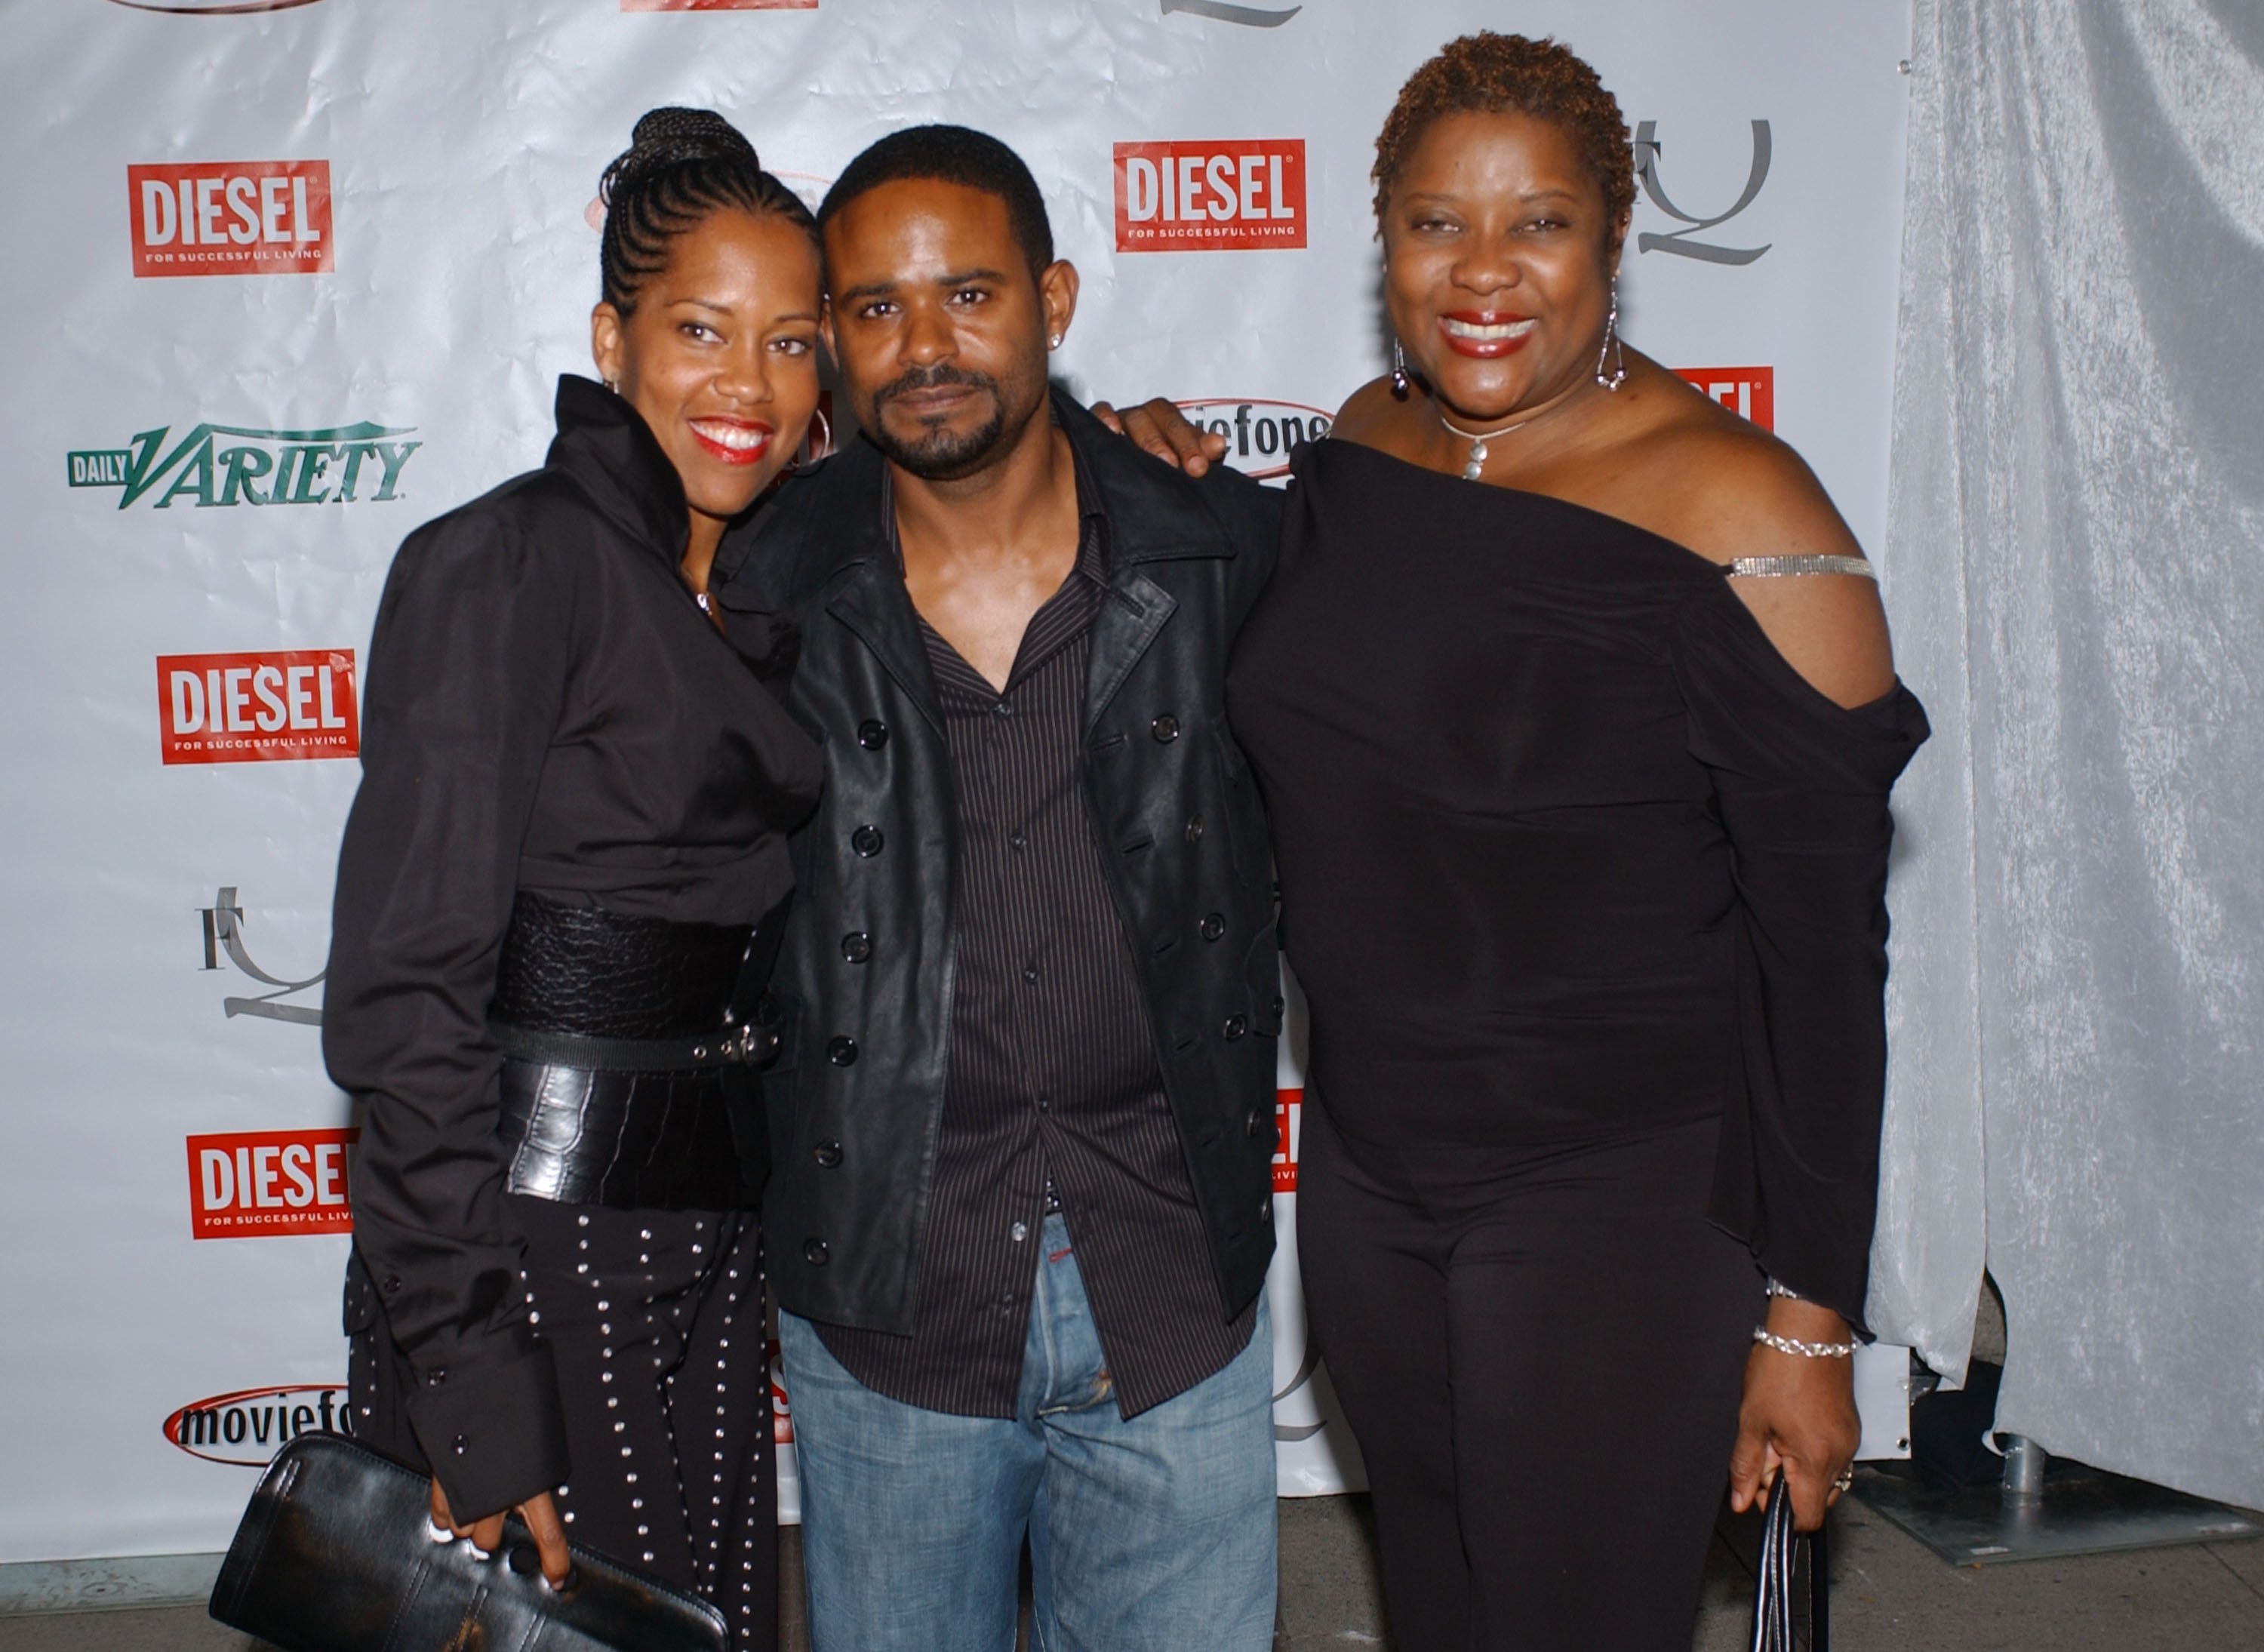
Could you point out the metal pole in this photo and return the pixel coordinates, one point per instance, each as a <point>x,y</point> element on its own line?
<point>2024,1467</point>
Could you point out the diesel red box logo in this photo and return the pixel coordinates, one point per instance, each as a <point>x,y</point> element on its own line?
<point>1210,197</point>
<point>257,707</point>
<point>1288,1125</point>
<point>1748,392</point>
<point>231,218</point>
<point>262,1183</point>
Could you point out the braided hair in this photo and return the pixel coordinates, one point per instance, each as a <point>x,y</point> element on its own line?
<point>681,165</point>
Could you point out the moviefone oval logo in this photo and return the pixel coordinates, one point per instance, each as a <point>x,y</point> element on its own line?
<point>1259,434</point>
<point>248,1426</point>
<point>231,218</point>
<point>1210,196</point>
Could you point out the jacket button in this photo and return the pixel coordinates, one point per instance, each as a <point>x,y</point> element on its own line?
<point>1249,1123</point>
<point>872,733</point>
<point>1194,828</point>
<point>1212,926</point>
<point>462,1444</point>
<point>829,1155</point>
<point>1237,1026</point>
<point>857,946</point>
<point>436,1376</point>
<point>813,1252</point>
<point>1166,729</point>
<point>867,841</point>
<point>393,1284</point>
<point>842,1052</point>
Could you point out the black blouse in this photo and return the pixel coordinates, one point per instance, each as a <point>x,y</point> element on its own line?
<point>546,709</point>
<point>1567,850</point>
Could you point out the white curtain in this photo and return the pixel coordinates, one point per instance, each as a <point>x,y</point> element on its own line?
<point>2075,567</point>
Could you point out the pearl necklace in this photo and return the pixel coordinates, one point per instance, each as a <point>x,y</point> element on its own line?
<point>1476,464</point>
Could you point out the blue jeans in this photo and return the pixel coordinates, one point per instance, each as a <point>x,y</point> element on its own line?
<point>1154,1535</point>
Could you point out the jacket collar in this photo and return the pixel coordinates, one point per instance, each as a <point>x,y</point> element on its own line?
<point>608,452</point>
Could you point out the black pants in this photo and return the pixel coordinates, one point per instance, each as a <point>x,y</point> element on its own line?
<point>1542,1353</point>
<point>655,1320</point>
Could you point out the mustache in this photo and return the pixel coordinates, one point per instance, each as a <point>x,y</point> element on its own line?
<point>933,379</point>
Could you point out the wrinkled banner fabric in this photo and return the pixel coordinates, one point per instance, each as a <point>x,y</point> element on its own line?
<point>2077,526</point>
<point>291,276</point>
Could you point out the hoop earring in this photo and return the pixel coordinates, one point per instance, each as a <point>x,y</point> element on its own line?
<point>1399,371</point>
<point>1612,350</point>
<point>819,443</point>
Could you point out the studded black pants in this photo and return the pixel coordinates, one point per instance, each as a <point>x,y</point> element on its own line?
<point>655,1320</point>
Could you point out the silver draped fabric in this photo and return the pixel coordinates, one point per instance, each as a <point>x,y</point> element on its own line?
<point>2075,569</point>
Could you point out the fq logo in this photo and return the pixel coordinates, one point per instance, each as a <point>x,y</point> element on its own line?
<point>259,467</point>
<point>1209,197</point>
<point>1258,434</point>
<point>257,707</point>
<point>231,218</point>
<point>251,1425</point>
<point>1748,392</point>
<point>265,1184</point>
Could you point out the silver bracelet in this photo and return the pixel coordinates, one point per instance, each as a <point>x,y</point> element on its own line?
<point>1775,1286</point>
<point>1768,1338</point>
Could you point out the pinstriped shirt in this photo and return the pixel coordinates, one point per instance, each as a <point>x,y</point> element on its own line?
<point>1053,1076</point>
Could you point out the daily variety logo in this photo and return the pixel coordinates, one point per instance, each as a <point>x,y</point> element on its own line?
<point>251,1425</point>
<point>231,218</point>
<point>217,465</point>
<point>1224,11</point>
<point>1259,434</point>
<point>1288,1122</point>
<point>1648,151</point>
<point>1748,392</point>
<point>223,922</point>
<point>280,705</point>
<point>266,1184</point>
<point>1210,196</point>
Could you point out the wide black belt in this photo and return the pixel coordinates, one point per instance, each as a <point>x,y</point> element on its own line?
<point>628,1044</point>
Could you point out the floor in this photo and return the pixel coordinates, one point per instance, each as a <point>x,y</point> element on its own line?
<point>1889,1595</point>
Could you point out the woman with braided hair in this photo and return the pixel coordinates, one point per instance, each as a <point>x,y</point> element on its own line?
<point>558,898</point>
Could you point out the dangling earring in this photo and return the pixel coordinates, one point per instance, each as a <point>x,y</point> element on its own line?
<point>1399,371</point>
<point>614,384</point>
<point>1612,350</point>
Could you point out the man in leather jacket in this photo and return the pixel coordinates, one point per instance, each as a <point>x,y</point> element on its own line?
<point>1021,1212</point>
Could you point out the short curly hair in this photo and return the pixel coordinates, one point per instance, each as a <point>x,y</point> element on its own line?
<point>1493,74</point>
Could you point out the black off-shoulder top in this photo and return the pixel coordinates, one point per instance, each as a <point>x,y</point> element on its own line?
<point>1568,851</point>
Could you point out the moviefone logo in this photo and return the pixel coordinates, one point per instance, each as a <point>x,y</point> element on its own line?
<point>231,218</point>
<point>1258,434</point>
<point>280,704</point>
<point>1211,196</point>
<point>266,1184</point>
<point>248,1426</point>
<point>258,467</point>
<point>1748,392</point>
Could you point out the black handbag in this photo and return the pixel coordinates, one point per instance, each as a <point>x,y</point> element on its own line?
<point>1776,1608</point>
<point>335,1555</point>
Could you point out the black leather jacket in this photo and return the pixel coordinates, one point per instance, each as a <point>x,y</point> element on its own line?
<point>865,976</point>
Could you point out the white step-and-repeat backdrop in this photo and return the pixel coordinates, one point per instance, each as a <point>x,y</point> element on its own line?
<point>291,276</point>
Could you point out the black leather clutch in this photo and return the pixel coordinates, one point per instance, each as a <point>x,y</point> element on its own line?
<point>334,1554</point>
<point>1776,1595</point>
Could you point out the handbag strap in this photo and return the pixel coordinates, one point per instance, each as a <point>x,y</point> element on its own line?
<point>1773,1583</point>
